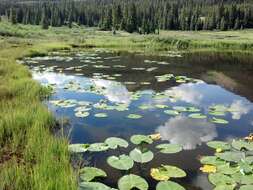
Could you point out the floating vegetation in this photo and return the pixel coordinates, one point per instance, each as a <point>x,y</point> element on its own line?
<point>139,139</point>
<point>98,147</point>
<point>115,142</point>
<point>82,114</point>
<point>101,115</point>
<point>89,173</point>
<point>140,154</point>
<point>94,186</point>
<point>165,172</point>
<point>134,116</point>
<point>145,107</point>
<point>163,185</point>
<point>131,181</point>
<point>219,120</point>
<point>64,103</point>
<point>231,165</point>
<point>122,162</point>
<point>78,148</point>
<point>169,148</point>
<point>161,106</point>
<point>197,116</point>
<point>171,112</point>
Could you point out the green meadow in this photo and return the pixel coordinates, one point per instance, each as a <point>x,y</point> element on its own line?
<point>31,158</point>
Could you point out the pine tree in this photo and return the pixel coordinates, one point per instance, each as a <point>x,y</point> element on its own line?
<point>237,24</point>
<point>13,16</point>
<point>222,24</point>
<point>116,16</point>
<point>44,19</point>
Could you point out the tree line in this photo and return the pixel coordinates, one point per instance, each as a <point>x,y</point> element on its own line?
<point>143,16</point>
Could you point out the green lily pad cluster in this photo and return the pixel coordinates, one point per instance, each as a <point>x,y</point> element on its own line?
<point>177,79</point>
<point>231,167</point>
<point>125,162</point>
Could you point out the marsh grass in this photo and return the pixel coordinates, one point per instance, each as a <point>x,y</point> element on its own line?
<point>30,156</point>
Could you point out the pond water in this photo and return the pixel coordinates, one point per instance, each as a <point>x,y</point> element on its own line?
<point>98,91</point>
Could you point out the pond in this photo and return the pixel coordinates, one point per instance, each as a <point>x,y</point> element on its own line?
<point>189,99</point>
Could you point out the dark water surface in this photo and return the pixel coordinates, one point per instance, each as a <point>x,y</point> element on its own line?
<point>130,80</point>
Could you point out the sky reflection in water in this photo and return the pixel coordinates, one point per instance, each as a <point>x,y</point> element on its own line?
<point>191,133</point>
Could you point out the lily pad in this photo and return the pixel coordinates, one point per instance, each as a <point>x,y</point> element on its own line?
<point>78,148</point>
<point>101,115</point>
<point>243,179</point>
<point>98,147</point>
<point>169,148</point>
<point>131,181</point>
<point>165,172</point>
<point>115,142</point>
<point>192,109</point>
<point>134,116</point>
<point>171,112</point>
<point>145,107</point>
<point>89,173</point>
<point>139,139</point>
<point>161,106</point>
<point>219,120</point>
<point>230,156</point>
<point>123,162</point>
<point>216,113</point>
<point>169,185</point>
<point>220,179</point>
<point>180,108</point>
<point>219,145</point>
<point>227,169</point>
<point>211,160</point>
<point>141,156</point>
<point>225,187</point>
<point>197,116</point>
<point>241,144</point>
<point>82,114</point>
<point>94,186</point>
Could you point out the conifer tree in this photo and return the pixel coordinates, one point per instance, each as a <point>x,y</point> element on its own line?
<point>44,19</point>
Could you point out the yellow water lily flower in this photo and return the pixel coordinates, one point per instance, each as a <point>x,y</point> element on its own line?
<point>156,136</point>
<point>218,150</point>
<point>157,175</point>
<point>249,138</point>
<point>208,169</point>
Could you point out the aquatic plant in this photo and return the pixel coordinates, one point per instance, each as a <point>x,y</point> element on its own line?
<point>231,165</point>
<point>141,154</point>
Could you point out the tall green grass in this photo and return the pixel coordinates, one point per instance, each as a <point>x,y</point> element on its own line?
<point>31,158</point>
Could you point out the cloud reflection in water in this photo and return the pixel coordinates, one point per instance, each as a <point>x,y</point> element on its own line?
<point>114,91</point>
<point>188,132</point>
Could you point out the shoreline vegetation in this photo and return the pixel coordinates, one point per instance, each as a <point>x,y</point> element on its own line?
<point>31,157</point>
<point>240,41</point>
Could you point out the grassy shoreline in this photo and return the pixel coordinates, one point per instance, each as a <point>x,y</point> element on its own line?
<point>30,156</point>
<point>185,41</point>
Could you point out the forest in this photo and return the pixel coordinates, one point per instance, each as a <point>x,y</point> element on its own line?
<point>142,16</point>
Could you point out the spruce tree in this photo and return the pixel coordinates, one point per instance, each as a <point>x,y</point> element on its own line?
<point>13,16</point>
<point>44,19</point>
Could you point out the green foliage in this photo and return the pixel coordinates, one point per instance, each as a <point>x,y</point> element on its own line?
<point>123,162</point>
<point>25,130</point>
<point>231,165</point>
<point>131,181</point>
<point>134,16</point>
<point>89,173</point>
